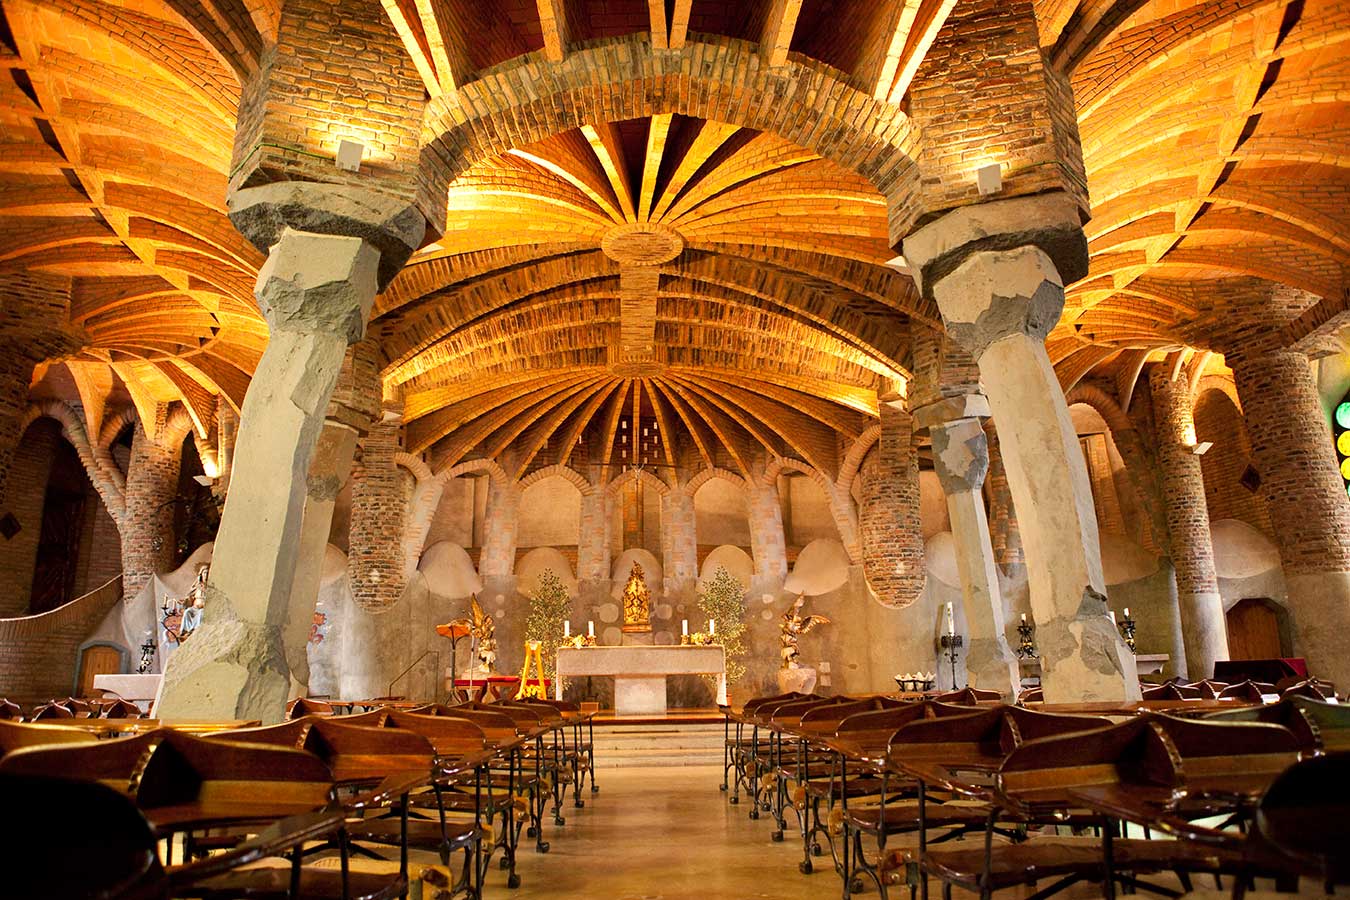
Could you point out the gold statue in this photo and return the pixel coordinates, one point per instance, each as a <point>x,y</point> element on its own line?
<point>484,632</point>
<point>794,626</point>
<point>637,602</point>
<point>528,691</point>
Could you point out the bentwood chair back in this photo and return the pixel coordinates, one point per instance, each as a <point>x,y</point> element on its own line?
<point>17,735</point>
<point>304,706</point>
<point>9,710</point>
<point>1305,814</point>
<point>112,763</point>
<point>968,696</point>
<point>51,710</point>
<point>1030,725</point>
<point>1247,691</point>
<point>883,719</point>
<point>1329,721</point>
<point>290,733</point>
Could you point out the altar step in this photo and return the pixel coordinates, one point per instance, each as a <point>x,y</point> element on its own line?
<point>658,744</point>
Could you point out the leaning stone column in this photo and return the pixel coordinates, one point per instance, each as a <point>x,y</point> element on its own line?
<point>500,528</point>
<point>768,544</point>
<point>1204,631</point>
<point>888,516</point>
<point>329,251</point>
<point>1293,452</point>
<point>1000,292</point>
<point>961,458</point>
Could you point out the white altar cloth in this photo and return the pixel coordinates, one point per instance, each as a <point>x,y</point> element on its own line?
<point>640,672</point>
<point>138,689</point>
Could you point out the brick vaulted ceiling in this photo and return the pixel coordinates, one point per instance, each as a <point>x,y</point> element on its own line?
<point>723,282</point>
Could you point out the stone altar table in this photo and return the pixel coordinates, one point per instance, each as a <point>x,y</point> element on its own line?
<point>138,689</point>
<point>640,672</point>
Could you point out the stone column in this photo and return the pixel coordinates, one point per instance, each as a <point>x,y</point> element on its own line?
<point>1293,452</point>
<point>1203,628</point>
<point>961,458</point>
<point>593,550</point>
<point>768,544</point>
<point>679,538</point>
<point>1000,304</point>
<point>148,545</point>
<point>501,525</point>
<point>329,251</point>
<point>892,535</point>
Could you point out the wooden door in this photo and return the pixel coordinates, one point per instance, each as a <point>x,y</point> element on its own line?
<point>100,660</point>
<point>1253,631</point>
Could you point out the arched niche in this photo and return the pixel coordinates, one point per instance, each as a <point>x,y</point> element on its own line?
<point>449,571</point>
<point>550,514</point>
<point>1219,421</point>
<point>721,514</point>
<point>531,567</point>
<point>806,510</point>
<point>651,570</point>
<point>1241,551</point>
<point>822,566</point>
<point>735,560</point>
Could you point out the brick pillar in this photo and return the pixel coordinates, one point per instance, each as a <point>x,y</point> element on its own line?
<point>1292,451</point>
<point>501,525</point>
<point>379,512</point>
<point>15,372</point>
<point>1203,628</point>
<point>1006,538</point>
<point>147,528</point>
<point>679,536</point>
<point>892,536</point>
<point>593,548</point>
<point>768,545</point>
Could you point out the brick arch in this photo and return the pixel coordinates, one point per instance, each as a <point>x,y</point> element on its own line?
<point>841,504</point>
<point>848,470</point>
<point>114,424</point>
<point>1222,383</point>
<point>642,475</point>
<point>720,79</point>
<point>414,464</point>
<point>1218,418</point>
<point>692,485</point>
<point>1105,405</point>
<point>473,467</point>
<point>102,469</point>
<point>566,473</point>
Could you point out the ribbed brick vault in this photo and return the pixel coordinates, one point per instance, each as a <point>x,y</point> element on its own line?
<point>725,279</point>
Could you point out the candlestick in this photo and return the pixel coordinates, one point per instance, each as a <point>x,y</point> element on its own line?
<point>1027,648</point>
<point>590,629</point>
<point>684,626</point>
<point>1112,614</point>
<point>1024,617</point>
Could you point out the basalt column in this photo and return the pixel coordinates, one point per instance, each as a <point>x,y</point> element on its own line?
<point>1203,629</point>
<point>1000,304</point>
<point>354,406</point>
<point>961,458</point>
<point>888,518</point>
<point>1293,453</point>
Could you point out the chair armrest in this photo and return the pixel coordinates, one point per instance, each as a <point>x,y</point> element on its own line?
<point>292,832</point>
<point>390,789</point>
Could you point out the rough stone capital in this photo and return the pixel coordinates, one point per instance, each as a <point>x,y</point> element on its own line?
<point>1051,222</point>
<point>318,283</point>
<point>392,226</point>
<point>960,455</point>
<point>994,294</point>
<point>949,409</point>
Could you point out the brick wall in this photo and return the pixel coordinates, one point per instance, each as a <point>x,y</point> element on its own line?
<point>1183,484</point>
<point>28,488</point>
<point>1218,421</point>
<point>679,535</point>
<point>1293,453</point>
<point>593,546</point>
<point>38,654</point>
<point>889,520</point>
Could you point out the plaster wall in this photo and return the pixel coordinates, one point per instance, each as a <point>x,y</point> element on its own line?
<point>453,519</point>
<point>550,514</point>
<point>721,514</point>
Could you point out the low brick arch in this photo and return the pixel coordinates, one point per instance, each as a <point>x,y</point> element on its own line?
<point>566,473</point>
<point>845,517</point>
<point>102,469</point>
<point>692,485</point>
<point>414,464</point>
<point>1105,405</point>
<point>848,469</point>
<point>647,478</point>
<point>474,467</point>
<point>719,79</point>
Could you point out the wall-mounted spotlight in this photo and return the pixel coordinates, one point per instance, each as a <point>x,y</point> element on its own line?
<point>204,480</point>
<point>1202,448</point>
<point>349,154</point>
<point>989,179</point>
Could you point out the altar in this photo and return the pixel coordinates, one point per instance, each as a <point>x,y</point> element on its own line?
<point>640,671</point>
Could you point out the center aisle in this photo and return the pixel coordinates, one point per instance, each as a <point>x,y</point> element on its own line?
<point>664,834</point>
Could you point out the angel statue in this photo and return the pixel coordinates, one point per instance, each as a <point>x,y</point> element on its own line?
<point>484,633</point>
<point>794,626</point>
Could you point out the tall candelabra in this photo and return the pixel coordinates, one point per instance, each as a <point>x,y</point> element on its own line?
<point>1027,648</point>
<point>147,654</point>
<point>1126,627</point>
<point>951,644</point>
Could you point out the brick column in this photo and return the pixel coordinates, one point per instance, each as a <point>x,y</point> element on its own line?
<point>679,536</point>
<point>148,545</point>
<point>960,457</point>
<point>888,518</point>
<point>501,525</point>
<point>1006,538</point>
<point>999,304</point>
<point>768,544</point>
<point>1293,453</point>
<point>1203,629</point>
<point>379,511</point>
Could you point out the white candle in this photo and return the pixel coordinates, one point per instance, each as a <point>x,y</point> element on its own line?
<point>1112,614</point>
<point>951,622</point>
<point>1127,612</point>
<point>712,628</point>
<point>567,629</point>
<point>590,629</point>
<point>684,627</point>
<point>1024,618</point>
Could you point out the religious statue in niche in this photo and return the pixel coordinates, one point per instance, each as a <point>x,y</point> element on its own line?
<point>182,617</point>
<point>484,632</point>
<point>637,602</point>
<point>793,676</point>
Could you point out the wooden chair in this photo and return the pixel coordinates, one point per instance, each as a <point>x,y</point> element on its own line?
<point>969,696</point>
<point>50,710</point>
<point>304,706</point>
<point>1311,689</point>
<point>1167,691</point>
<point>17,735</point>
<point>1303,817</point>
<point>120,709</point>
<point>579,747</point>
<point>1249,691</point>
<point>9,710</point>
<point>1031,695</point>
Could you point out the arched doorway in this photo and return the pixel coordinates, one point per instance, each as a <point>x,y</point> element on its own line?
<point>1254,629</point>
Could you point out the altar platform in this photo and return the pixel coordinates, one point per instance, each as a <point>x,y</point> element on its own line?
<point>640,672</point>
